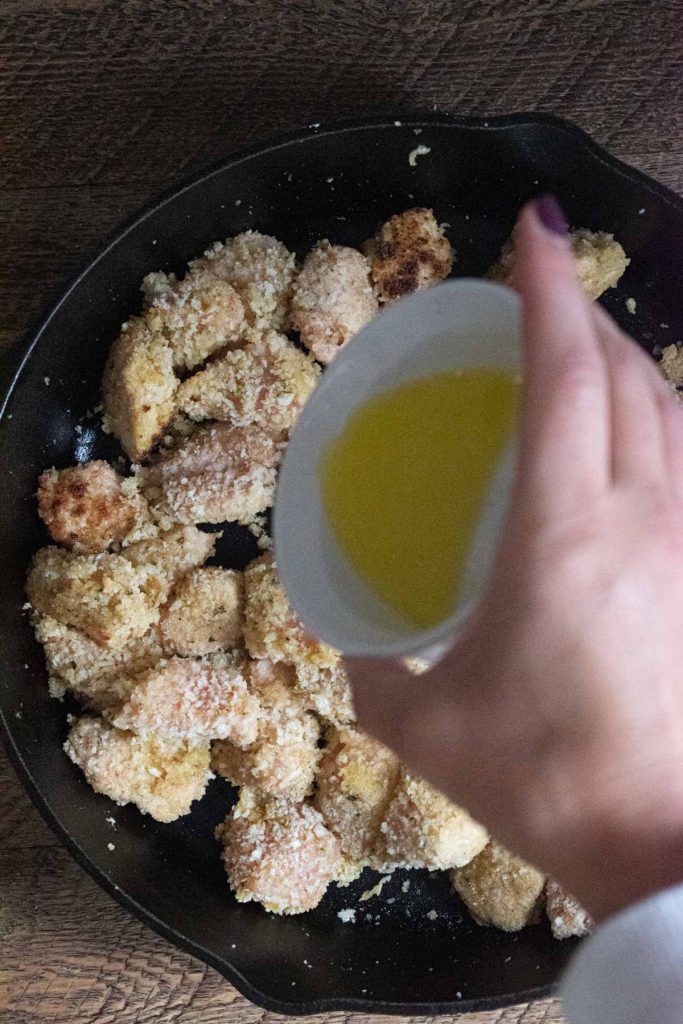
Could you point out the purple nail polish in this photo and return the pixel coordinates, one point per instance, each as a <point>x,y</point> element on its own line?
<point>550,214</point>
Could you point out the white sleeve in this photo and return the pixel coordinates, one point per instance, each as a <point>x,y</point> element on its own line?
<point>631,970</point>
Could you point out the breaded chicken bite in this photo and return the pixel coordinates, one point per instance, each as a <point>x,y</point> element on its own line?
<point>162,777</point>
<point>284,756</point>
<point>84,507</point>
<point>261,270</point>
<point>355,783</point>
<point>205,612</point>
<point>332,298</point>
<point>104,596</point>
<point>138,388</point>
<point>500,889</point>
<point>220,474</point>
<point>267,383</point>
<point>197,316</point>
<point>326,691</point>
<point>271,628</point>
<point>100,677</point>
<point>173,552</point>
<point>278,853</point>
<point>567,917</point>
<point>600,261</point>
<point>422,829</point>
<point>191,700</point>
<point>671,365</point>
<point>409,251</point>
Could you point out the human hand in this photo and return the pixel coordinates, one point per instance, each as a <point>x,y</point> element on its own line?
<point>557,717</point>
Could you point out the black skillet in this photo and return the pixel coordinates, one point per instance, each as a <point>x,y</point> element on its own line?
<point>337,182</point>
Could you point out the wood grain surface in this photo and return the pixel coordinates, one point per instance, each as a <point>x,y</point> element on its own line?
<point>102,106</point>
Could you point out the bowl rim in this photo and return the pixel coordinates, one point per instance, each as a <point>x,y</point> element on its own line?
<point>12,364</point>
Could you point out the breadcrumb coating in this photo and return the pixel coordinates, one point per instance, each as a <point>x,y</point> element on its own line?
<point>173,552</point>
<point>100,677</point>
<point>332,298</point>
<point>84,507</point>
<point>138,388</point>
<point>409,251</point>
<point>103,595</point>
<point>600,261</point>
<point>356,780</point>
<point>500,889</point>
<point>671,365</point>
<point>326,691</point>
<point>284,756</point>
<point>271,628</point>
<point>205,612</point>
<point>162,777</point>
<point>278,853</point>
<point>567,916</point>
<point>197,316</point>
<point>422,829</point>
<point>261,270</point>
<point>220,474</point>
<point>267,383</point>
<point>191,700</point>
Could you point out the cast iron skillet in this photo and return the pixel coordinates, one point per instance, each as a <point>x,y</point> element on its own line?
<point>336,182</point>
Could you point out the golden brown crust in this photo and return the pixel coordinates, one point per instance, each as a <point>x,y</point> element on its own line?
<point>500,889</point>
<point>409,251</point>
<point>162,777</point>
<point>278,853</point>
<point>84,507</point>
<point>205,612</point>
<point>332,298</point>
<point>567,917</point>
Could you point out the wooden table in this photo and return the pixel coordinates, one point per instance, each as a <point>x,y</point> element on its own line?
<point>102,105</point>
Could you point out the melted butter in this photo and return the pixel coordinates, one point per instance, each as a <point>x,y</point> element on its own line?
<point>405,483</point>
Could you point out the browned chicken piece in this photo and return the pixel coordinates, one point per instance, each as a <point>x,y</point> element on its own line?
<point>671,365</point>
<point>356,780</point>
<point>267,382</point>
<point>326,691</point>
<point>600,261</point>
<point>138,388</point>
<point>332,298</point>
<point>100,677</point>
<point>500,889</point>
<point>204,614</point>
<point>104,595</point>
<point>173,552</point>
<point>198,315</point>
<point>191,700</point>
<point>409,251</point>
<point>567,917</point>
<point>271,628</point>
<point>162,777</point>
<point>220,474</point>
<point>261,270</point>
<point>278,853</point>
<point>84,507</point>
<point>422,829</point>
<point>284,756</point>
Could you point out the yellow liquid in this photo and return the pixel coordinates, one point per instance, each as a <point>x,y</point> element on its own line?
<point>405,483</point>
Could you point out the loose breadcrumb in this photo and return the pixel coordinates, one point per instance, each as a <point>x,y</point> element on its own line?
<point>138,388</point>
<point>284,756</point>
<point>500,889</point>
<point>191,700</point>
<point>332,299</point>
<point>410,251</point>
<point>85,507</point>
<point>356,780</point>
<point>671,365</point>
<point>205,612</point>
<point>220,474</point>
<point>567,916</point>
<point>422,829</point>
<point>261,270</point>
<point>271,628</point>
<point>600,261</point>
<point>278,853</point>
<point>267,383</point>
<point>162,777</point>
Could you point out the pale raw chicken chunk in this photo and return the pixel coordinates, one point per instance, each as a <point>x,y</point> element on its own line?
<point>204,614</point>
<point>567,917</point>
<point>326,691</point>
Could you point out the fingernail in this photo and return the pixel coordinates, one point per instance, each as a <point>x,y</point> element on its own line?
<point>550,214</point>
